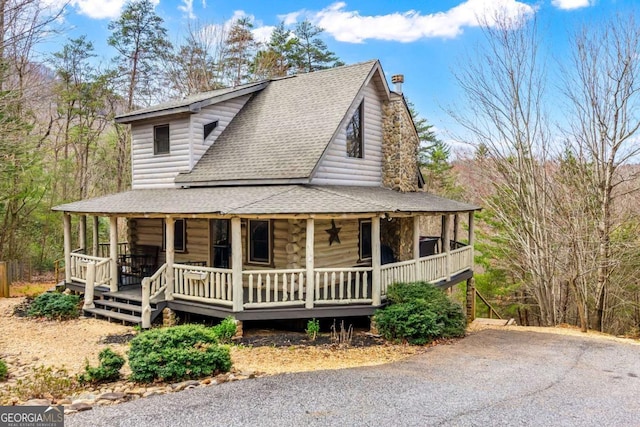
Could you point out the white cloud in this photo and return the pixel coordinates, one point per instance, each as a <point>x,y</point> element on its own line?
<point>351,27</point>
<point>95,9</point>
<point>290,18</point>
<point>571,4</point>
<point>187,8</point>
<point>262,34</point>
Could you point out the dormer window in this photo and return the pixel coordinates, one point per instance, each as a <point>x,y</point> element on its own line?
<point>354,133</point>
<point>208,128</point>
<point>161,139</point>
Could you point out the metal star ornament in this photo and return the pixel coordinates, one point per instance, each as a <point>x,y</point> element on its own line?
<point>333,233</point>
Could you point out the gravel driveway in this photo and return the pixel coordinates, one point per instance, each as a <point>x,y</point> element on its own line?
<point>491,378</point>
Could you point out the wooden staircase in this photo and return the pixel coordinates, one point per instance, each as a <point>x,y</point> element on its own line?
<point>124,307</point>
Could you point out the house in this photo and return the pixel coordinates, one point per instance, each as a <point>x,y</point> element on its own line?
<point>296,197</point>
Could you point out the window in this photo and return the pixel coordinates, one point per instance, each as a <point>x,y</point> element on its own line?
<point>259,233</point>
<point>208,128</point>
<point>161,139</point>
<point>354,134</point>
<point>220,247</point>
<point>365,239</point>
<point>179,237</point>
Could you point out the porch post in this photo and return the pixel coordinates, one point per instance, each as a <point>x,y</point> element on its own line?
<point>236,264</point>
<point>456,226</point>
<point>66,220</point>
<point>82,233</point>
<point>416,247</point>
<point>375,261</point>
<point>471,236</point>
<point>447,243</point>
<point>170,232</point>
<point>96,236</point>
<point>113,252</point>
<point>310,262</point>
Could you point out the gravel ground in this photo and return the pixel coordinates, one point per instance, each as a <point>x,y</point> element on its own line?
<point>491,378</point>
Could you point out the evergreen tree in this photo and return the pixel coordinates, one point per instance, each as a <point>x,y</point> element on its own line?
<point>241,47</point>
<point>310,52</point>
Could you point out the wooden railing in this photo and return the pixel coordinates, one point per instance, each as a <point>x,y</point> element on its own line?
<point>79,264</point>
<point>270,288</point>
<point>404,271</point>
<point>104,249</point>
<point>461,259</point>
<point>157,283</point>
<point>342,285</point>
<point>432,268</point>
<point>203,284</point>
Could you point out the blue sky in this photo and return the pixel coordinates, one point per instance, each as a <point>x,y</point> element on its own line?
<point>426,41</point>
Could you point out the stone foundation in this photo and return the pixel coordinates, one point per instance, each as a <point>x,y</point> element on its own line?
<point>168,317</point>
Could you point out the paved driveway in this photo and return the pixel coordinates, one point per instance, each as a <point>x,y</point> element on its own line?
<point>491,378</point>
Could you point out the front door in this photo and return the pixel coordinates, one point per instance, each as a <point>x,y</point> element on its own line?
<point>220,243</point>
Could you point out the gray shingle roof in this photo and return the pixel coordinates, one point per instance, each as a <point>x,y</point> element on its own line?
<point>277,199</point>
<point>282,132</point>
<point>190,103</point>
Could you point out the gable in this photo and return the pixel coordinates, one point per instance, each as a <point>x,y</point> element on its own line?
<point>283,131</point>
<point>336,167</point>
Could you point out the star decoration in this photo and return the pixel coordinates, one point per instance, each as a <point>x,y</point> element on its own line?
<point>333,233</point>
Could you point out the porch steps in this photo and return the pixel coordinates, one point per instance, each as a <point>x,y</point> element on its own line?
<point>122,307</point>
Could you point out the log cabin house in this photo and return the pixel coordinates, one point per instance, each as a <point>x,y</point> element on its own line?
<point>297,197</point>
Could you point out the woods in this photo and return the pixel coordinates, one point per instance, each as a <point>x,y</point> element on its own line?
<point>554,157</point>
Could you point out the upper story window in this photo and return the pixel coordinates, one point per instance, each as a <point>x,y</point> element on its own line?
<point>208,128</point>
<point>161,139</point>
<point>259,236</point>
<point>354,133</point>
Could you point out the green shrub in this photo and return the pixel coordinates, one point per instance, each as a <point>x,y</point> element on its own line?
<point>4,371</point>
<point>177,353</point>
<point>108,369</point>
<point>313,329</point>
<point>419,313</point>
<point>54,305</point>
<point>225,330</point>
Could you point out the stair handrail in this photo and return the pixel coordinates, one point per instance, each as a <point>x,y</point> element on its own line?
<point>490,309</point>
<point>156,284</point>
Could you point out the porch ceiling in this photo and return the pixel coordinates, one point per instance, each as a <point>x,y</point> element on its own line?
<point>266,200</point>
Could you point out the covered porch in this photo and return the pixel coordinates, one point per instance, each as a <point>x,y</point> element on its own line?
<point>309,273</point>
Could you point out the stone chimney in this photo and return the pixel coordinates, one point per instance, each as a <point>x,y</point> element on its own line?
<point>399,143</point>
<point>397,80</point>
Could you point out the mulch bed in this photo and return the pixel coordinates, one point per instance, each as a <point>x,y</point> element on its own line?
<point>289,339</point>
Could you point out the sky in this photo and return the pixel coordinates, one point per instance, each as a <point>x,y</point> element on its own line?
<point>426,41</point>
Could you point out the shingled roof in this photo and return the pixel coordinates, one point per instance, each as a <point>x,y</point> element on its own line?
<point>270,200</point>
<point>283,130</point>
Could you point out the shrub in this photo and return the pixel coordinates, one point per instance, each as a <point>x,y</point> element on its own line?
<point>225,330</point>
<point>313,329</point>
<point>54,305</point>
<point>4,371</point>
<point>177,353</point>
<point>419,313</point>
<point>107,370</point>
<point>43,383</point>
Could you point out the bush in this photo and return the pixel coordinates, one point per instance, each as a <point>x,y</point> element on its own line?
<point>225,330</point>
<point>54,305</point>
<point>177,353</point>
<point>4,371</point>
<point>107,370</point>
<point>42,383</point>
<point>419,313</point>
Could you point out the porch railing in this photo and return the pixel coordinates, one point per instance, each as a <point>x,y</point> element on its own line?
<point>203,284</point>
<point>79,267</point>
<point>404,271</point>
<point>433,268</point>
<point>270,288</point>
<point>343,285</point>
<point>461,259</point>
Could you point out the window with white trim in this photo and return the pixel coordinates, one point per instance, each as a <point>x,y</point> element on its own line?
<point>161,139</point>
<point>354,133</point>
<point>259,235</point>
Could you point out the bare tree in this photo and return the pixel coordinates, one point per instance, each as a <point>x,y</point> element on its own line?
<point>503,115</point>
<point>603,91</point>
